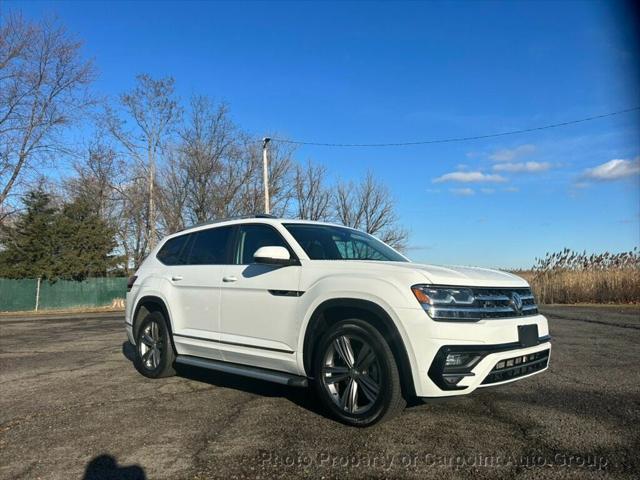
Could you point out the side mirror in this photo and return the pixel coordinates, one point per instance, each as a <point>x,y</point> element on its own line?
<point>273,256</point>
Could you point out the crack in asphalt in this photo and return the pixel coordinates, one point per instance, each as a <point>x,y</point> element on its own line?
<point>9,424</point>
<point>218,430</point>
<point>64,370</point>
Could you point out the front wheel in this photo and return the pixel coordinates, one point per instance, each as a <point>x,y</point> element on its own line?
<point>356,375</point>
<point>154,351</point>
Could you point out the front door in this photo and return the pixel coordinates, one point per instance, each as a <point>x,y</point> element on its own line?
<point>258,316</point>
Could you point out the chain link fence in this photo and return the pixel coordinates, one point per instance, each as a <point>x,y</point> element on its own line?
<point>36,294</point>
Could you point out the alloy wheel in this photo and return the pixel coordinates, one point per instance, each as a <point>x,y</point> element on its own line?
<point>351,374</point>
<point>151,346</point>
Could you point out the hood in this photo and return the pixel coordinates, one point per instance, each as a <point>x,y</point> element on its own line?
<point>470,276</point>
<point>463,276</point>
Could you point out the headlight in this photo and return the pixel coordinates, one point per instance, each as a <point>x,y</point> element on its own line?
<point>433,296</point>
<point>448,303</point>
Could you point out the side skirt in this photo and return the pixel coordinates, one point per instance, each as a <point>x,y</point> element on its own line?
<point>282,378</point>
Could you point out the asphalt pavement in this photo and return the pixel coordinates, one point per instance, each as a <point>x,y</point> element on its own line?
<point>72,406</point>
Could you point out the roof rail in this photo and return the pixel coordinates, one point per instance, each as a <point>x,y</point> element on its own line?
<point>220,220</point>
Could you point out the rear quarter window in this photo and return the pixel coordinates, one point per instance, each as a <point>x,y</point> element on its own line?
<point>171,251</point>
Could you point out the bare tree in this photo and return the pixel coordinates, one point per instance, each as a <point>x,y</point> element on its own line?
<point>210,145</point>
<point>369,206</point>
<point>215,170</point>
<point>43,89</point>
<point>96,178</point>
<point>204,170</point>
<point>117,196</point>
<point>173,192</point>
<point>131,231</point>
<point>313,198</point>
<point>154,112</point>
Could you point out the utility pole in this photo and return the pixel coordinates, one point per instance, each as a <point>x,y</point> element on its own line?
<point>265,172</point>
<point>152,207</point>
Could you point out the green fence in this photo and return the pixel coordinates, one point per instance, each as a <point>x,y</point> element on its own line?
<point>24,294</point>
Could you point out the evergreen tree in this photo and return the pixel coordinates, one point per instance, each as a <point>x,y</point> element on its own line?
<point>72,243</point>
<point>84,240</point>
<point>28,245</point>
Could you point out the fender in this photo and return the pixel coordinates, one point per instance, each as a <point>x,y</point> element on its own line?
<point>157,301</point>
<point>399,345</point>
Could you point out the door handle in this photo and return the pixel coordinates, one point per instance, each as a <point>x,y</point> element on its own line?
<point>229,279</point>
<point>176,278</point>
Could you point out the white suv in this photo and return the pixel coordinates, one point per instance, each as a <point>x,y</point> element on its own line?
<point>299,302</point>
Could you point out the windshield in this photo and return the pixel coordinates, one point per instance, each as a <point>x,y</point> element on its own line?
<point>328,242</point>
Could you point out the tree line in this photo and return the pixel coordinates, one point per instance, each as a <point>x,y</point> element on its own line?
<point>153,165</point>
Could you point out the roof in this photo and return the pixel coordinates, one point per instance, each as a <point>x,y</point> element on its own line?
<point>260,217</point>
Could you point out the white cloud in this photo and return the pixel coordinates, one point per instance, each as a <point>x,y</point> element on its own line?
<point>614,170</point>
<point>470,177</point>
<point>463,192</point>
<point>512,189</point>
<point>419,247</point>
<point>488,191</point>
<point>528,167</point>
<point>510,154</point>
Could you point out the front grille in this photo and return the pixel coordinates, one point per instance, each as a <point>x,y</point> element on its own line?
<point>517,367</point>
<point>488,303</point>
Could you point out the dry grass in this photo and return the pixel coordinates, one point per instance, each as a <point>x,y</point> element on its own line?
<point>573,277</point>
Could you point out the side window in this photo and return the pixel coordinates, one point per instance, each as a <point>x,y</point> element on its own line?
<point>171,251</point>
<point>252,237</point>
<point>209,247</point>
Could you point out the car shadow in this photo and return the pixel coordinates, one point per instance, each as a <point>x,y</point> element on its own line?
<point>129,351</point>
<point>105,467</point>
<point>255,269</point>
<point>303,397</point>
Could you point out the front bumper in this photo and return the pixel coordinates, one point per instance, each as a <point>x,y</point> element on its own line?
<point>493,364</point>
<point>495,339</point>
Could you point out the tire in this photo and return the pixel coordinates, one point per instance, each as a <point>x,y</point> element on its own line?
<point>154,350</point>
<point>355,374</point>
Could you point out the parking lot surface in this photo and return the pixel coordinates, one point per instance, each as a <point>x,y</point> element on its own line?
<point>72,406</point>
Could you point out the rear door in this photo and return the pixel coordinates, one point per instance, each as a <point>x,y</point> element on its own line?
<point>258,318</point>
<point>195,291</point>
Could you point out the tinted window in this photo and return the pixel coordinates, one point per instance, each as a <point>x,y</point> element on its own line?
<point>252,237</point>
<point>171,251</point>
<point>209,247</point>
<point>328,242</point>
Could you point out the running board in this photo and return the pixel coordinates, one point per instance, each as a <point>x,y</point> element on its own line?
<point>244,370</point>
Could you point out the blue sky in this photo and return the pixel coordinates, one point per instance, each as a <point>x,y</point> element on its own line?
<point>392,72</point>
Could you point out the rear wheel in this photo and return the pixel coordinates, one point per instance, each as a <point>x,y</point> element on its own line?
<point>154,351</point>
<point>356,375</point>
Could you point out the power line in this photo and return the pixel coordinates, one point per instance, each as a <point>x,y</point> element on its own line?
<point>456,139</point>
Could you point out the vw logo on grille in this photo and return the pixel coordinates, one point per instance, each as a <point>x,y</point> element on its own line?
<point>516,302</point>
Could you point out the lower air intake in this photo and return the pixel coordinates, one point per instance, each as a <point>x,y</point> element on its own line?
<point>517,367</point>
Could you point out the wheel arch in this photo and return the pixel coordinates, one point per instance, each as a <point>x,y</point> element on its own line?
<point>149,304</point>
<point>336,309</point>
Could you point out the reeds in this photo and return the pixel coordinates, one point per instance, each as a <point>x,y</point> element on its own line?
<point>573,277</point>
